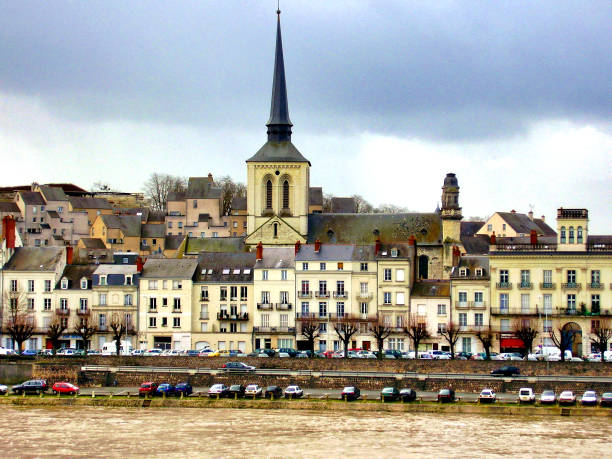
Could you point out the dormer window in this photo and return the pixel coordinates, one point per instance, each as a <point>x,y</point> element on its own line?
<point>84,283</point>
<point>226,271</point>
<point>462,272</point>
<point>236,271</point>
<point>64,283</point>
<point>246,271</point>
<point>128,280</point>
<point>102,280</point>
<point>394,253</point>
<point>479,272</point>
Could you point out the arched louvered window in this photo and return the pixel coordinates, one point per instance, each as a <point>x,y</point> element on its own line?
<point>269,194</point>
<point>579,235</point>
<point>286,194</point>
<point>571,235</point>
<point>563,235</point>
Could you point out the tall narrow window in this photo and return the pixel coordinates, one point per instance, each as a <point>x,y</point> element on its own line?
<point>571,234</point>
<point>579,235</point>
<point>286,194</point>
<point>563,235</point>
<point>276,230</point>
<point>268,194</point>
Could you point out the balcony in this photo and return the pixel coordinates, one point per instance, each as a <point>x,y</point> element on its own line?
<point>461,305</point>
<point>504,285</point>
<point>152,310</point>
<point>559,311</point>
<point>595,286</point>
<point>203,298</point>
<point>102,328</point>
<point>365,296</point>
<point>525,286</point>
<point>62,312</point>
<point>176,310</point>
<point>284,306</point>
<point>244,298</point>
<point>341,295</point>
<point>274,330</point>
<point>517,312</point>
<point>571,286</point>
<point>224,315</point>
<point>547,286</point>
<point>304,294</point>
<point>264,306</point>
<point>478,304</point>
<point>203,316</point>
<point>83,312</point>
<point>322,294</point>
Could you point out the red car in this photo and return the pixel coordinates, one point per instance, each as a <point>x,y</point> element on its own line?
<point>147,388</point>
<point>65,388</point>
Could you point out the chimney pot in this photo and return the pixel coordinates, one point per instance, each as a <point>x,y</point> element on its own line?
<point>412,240</point>
<point>317,246</point>
<point>259,253</point>
<point>533,236</point>
<point>530,215</point>
<point>297,247</point>
<point>543,218</point>
<point>513,211</point>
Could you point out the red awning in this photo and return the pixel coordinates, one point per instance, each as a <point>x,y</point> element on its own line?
<point>514,343</point>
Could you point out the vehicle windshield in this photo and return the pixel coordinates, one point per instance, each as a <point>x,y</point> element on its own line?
<point>548,392</point>
<point>388,389</point>
<point>252,387</point>
<point>217,386</point>
<point>349,389</point>
<point>589,394</point>
<point>444,392</point>
<point>235,387</point>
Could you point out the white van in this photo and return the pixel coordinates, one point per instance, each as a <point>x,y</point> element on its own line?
<point>109,348</point>
<point>550,353</point>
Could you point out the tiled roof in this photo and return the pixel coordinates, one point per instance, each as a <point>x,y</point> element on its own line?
<point>74,274</point>
<point>226,267</point>
<point>89,203</point>
<point>93,243</point>
<point>35,259</point>
<point>202,188</point>
<point>173,242</point>
<point>53,193</point>
<point>176,196</point>
<point>276,257</point>
<point>128,224</point>
<point>476,245</point>
<point>470,228</point>
<point>521,223</point>
<point>343,205</point>
<point>403,251</point>
<point>175,268</point>
<point>327,252</point>
<point>278,151</point>
<point>150,230</point>
<point>9,207</point>
<point>315,196</point>
<point>239,203</point>
<point>214,244</point>
<point>32,198</point>
<point>472,263</point>
<point>367,228</point>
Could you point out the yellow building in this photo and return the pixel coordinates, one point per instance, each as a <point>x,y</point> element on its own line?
<point>165,315</point>
<point>223,301</point>
<point>555,283</point>
<point>120,233</point>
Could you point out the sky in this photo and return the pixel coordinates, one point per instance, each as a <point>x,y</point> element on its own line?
<point>386,97</point>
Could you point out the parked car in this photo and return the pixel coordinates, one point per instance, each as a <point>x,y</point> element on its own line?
<point>218,390</point>
<point>273,391</point>
<point>192,353</point>
<point>293,392</point>
<point>292,352</point>
<point>183,388</point>
<point>94,352</point>
<point>30,352</point>
<point>589,398</point>
<point>567,397</point>
<point>212,353</point>
<point>392,354</point>
<point>6,351</point>
<point>351,393</point>
<point>147,388</point>
<point>268,352</point>
<point>65,388</point>
<point>446,396</point>
<point>45,352</point>
<point>253,390</point>
<point>526,395</point>
<point>366,355</point>
<point>282,355</point>
<point>548,397</point>
<point>237,366</point>
<point>487,396</point>
<point>33,386</point>
<point>153,352</point>
<point>510,356</point>
<point>440,355</point>
<point>408,395</point>
<point>606,399</point>
<point>165,388</point>
<point>138,352</point>
<point>302,355</point>
<point>389,394</point>
<point>506,371</point>
<point>4,390</point>
<point>236,390</point>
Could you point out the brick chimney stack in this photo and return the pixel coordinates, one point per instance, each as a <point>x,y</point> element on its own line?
<point>259,252</point>
<point>297,247</point>
<point>493,238</point>
<point>139,264</point>
<point>377,247</point>
<point>533,237</point>
<point>8,231</point>
<point>69,255</point>
<point>317,247</point>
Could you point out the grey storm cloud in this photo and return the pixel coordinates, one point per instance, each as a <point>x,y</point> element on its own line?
<point>440,70</point>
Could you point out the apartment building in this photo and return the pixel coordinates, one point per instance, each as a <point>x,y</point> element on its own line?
<point>223,301</point>
<point>166,289</point>
<point>274,295</point>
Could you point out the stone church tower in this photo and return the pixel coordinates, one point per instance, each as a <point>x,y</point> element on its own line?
<point>278,176</point>
<point>451,212</point>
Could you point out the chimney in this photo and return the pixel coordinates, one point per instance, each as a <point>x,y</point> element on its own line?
<point>297,246</point>
<point>543,218</point>
<point>210,178</point>
<point>139,264</point>
<point>69,255</point>
<point>533,237</point>
<point>513,211</point>
<point>8,231</point>
<point>317,246</point>
<point>377,247</point>
<point>259,253</point>
<point>412,240</point>
<point>456,255</point>
<point>493,238</point>
<point>530,214</point>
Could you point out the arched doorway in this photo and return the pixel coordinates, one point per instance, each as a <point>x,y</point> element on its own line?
<point>423,267</point>
<point>571,333</point>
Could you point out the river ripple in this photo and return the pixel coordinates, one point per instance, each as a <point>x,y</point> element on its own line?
<point>179,433</point>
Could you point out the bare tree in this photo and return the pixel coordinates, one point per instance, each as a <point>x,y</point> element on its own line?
<point>18,321</point>
<point>361,205</point>
<point>416,329</point>
<point>327,203</point>
<point>345,327</point>
<point>486,336</point>
<point>229,191</point>
<point>562,339</point>
<point>602,333</point>
<point>309,329</point>
<point>85,327</point>
<point>57,327</point>
<point>451,334</point>
<point>120,325</point>
<point>526,330</point>
<point>158,186</point>
<point>380,331</point>
<point>101,186</point>
<point>390,209</point>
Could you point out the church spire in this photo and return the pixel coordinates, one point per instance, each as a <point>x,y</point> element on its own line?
<point>279,124</point>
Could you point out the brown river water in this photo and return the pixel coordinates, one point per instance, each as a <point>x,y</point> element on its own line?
<point>244,433</point>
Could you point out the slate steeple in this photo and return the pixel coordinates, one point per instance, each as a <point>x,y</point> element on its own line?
<point>279,124</point>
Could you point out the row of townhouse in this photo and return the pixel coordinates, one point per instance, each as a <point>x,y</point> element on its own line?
<point>266,298</point>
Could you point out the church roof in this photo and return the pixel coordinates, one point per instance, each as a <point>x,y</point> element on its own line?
<point>367,228</point>
<point>278,151</point>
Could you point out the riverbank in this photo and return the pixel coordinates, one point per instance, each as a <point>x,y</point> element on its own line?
<point>320,404</point>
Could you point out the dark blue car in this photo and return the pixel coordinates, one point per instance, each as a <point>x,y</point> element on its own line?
<point>183,388</point>
<point>29,352</point>
<point>165,388</point>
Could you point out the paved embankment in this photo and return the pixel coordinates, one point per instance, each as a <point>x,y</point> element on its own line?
<point>317,404</point>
